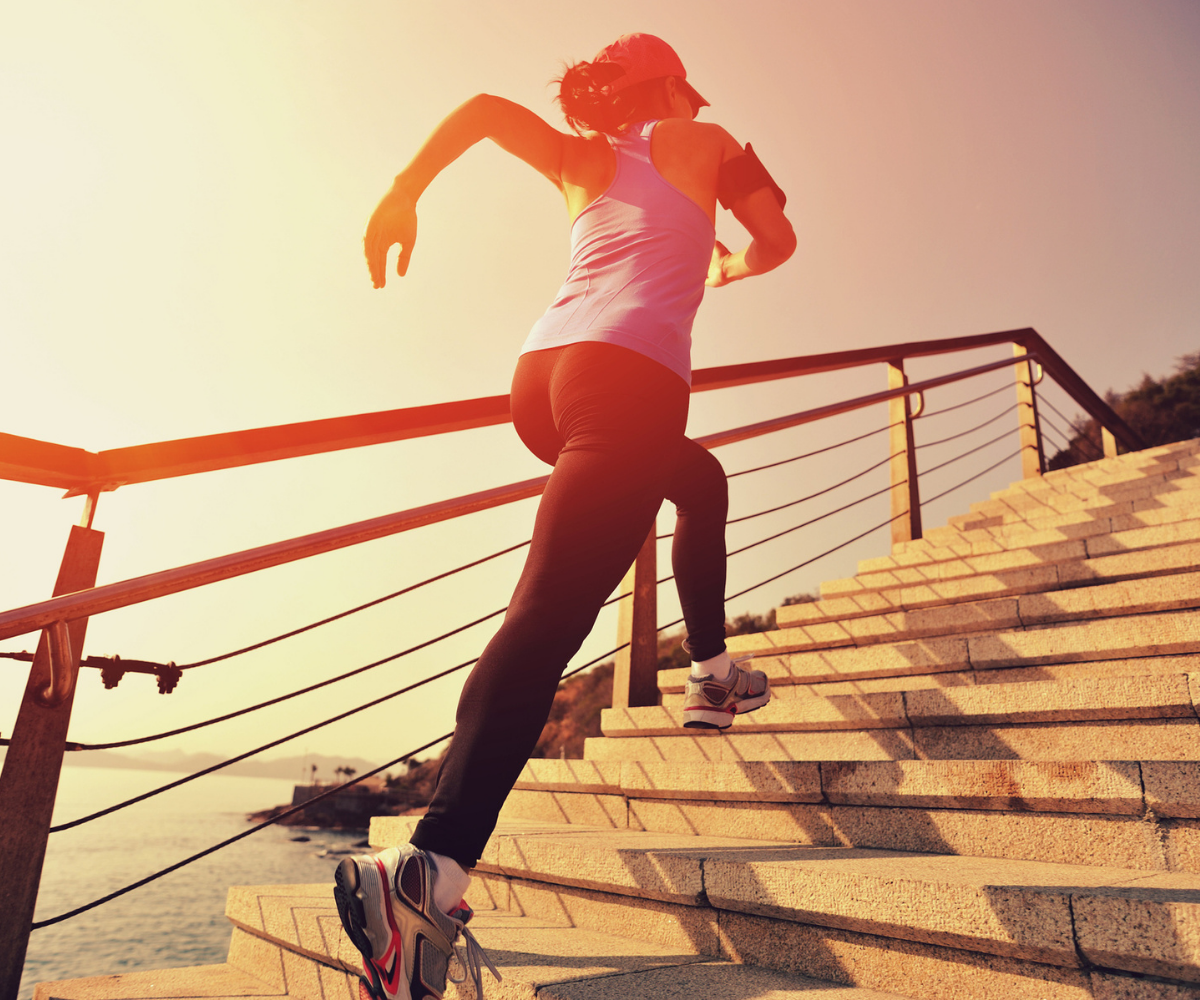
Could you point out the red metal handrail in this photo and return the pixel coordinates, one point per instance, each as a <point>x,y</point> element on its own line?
<point>78,471</point>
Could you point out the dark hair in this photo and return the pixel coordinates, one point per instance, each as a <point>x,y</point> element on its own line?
<point>588,103</point>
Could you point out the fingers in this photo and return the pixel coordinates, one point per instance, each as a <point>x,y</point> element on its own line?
<point>403,258</point>
<point>376,254</point>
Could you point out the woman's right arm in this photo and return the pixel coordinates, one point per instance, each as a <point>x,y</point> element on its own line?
<point>513,127</point>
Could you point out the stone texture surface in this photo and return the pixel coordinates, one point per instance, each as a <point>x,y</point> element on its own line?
<point>719,981</point>
<point>920,971</point>
<point>883,710</point>
<point>772,821</point>
<point>764,781</point>
<point>211,982</point>
<point>1172,787</point>
<point>1173,559</point>
<point>1128,597</point>
<point>1017,909</point>
<point>1112,986</point>
<point>1152,927</point>
<point>584,808</point>
<point>1153,697</point>
<point>1059,838</point>
<point>866,744</point>
<point>1059,786</point>
<point>570,775</point>
<point>1139,635</point>
<point>1136,739</point>
<point>690,930</point>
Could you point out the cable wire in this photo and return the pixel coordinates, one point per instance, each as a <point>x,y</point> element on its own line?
<point>811,496</point>
<point>977,427</point>
<point>959,406</point>
<point>250,753</point>
<point>283,697</point>
<point>354,610</point>
<point>959,458</point>
<point>974,477</point>
<point>38,924</point>
<point>819,451</point>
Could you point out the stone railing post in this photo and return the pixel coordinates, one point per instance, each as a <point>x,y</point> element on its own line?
<point>635,681</point>
<point>1033,462</point>
<point>906,495</point>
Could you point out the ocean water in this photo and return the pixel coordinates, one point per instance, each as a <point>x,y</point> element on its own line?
<point>179,919</point>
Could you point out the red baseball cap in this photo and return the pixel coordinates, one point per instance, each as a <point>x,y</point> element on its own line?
<point>647,57</point>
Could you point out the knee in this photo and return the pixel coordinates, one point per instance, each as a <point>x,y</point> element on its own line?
<point>702,486</point>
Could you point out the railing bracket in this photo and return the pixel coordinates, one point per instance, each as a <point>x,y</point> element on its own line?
<point>61,685</point>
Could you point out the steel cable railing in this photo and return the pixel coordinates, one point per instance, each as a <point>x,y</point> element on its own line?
<point>38,924</point>
<point>1053,363</point>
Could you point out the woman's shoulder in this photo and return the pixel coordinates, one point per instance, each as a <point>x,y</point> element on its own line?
<point>704,137</point>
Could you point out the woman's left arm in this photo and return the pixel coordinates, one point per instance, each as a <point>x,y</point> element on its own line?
<point>513,127</point>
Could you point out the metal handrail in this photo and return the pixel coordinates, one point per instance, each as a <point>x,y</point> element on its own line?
<point>143,588</point>
<point>80,472</point>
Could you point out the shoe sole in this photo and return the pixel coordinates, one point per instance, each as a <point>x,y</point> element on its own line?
<point>348,891</point>
<point>707,719</point>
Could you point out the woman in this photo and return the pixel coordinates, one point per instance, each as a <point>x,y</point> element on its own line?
<point>601,393</point>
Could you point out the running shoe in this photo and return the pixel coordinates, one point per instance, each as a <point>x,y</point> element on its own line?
<point>385,902</point>
<point>712,704</point>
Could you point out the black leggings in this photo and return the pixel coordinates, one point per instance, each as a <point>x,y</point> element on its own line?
<point>611,422</point>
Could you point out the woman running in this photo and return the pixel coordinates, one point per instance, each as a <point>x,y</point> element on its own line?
<point>601,393</point>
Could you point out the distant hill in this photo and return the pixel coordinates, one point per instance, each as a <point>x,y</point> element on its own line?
<point>297,769</point>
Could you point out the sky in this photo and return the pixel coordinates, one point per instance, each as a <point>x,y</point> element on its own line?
<point>182,196</point>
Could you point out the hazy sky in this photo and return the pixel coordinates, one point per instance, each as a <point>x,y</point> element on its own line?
<point>184,186</point>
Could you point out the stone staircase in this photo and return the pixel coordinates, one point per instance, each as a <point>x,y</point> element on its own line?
<point>979,778</point>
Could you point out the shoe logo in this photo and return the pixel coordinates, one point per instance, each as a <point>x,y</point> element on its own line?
<point>714,693</point>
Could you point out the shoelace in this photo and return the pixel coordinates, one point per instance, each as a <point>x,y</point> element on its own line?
<point>473,963</point>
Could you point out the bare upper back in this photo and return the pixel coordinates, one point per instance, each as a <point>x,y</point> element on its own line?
<point>688,154</point>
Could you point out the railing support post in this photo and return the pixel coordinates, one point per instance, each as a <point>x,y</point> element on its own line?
<point>1033,462</point>
<point>635,680</point>
<point>906,494</point>
<point>1109,442</point>
<point>29,781</point>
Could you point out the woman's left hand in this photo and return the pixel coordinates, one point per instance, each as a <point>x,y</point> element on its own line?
<point>716,270</point>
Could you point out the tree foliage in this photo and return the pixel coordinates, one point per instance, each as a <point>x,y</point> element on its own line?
<point>1160,411</point>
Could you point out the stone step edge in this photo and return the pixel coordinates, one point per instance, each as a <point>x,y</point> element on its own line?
<point>1146,696</point>
<point>928,551</point>
<point>1072,555</point>
<point>1166,789</point>
<point>497,927</point>
<point>924,972</point>
<point>1051,578</point>
<point>218,981</point>
<point>777,880</point>
<point>1084,601</point>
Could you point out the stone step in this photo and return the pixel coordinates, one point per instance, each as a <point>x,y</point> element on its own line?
<point>290,938</point>
<point>854,600</point>
<point>1016,535</point>
<point>1153,697</point>
<point>1046,508</point>
<point>565,973</point>
<point>1013,928</point>
<point>1100,600</point>
<point>782,655</point>
<point>947,565</point>
<point>1165,526</point>
<point>1130,814</point>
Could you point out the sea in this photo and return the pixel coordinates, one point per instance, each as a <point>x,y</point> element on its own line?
<point>178,920</point>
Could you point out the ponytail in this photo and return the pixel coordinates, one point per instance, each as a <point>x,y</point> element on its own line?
<point>588,103</point>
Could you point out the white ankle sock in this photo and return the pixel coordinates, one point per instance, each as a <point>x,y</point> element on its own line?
<point>451,884</point>
<point>720,667</point>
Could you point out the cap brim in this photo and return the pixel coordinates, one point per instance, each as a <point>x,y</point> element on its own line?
<point>693,95</point>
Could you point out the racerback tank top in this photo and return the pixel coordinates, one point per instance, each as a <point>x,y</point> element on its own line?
<point>639,256</point>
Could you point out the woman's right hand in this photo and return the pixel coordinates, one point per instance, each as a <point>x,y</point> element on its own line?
<point>393,221</point>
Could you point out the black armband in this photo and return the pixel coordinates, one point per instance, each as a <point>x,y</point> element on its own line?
<point>744,175</point>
